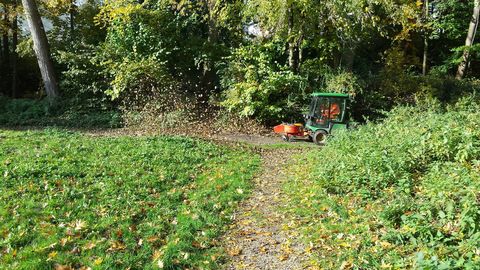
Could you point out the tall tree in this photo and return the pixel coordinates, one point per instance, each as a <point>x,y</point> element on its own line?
<point>5,46</point>
<point>71,12</point>
<point>472,29</point>
<point>14,48</point>
<point>41,47</point>
<point>425,39</point>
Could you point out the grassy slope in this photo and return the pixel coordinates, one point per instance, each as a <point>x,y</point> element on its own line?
<point>401,194</point>
<point>106,203</point>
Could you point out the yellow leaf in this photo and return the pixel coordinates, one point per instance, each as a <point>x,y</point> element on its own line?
<point>89,246</point>
<point>52,255</point>
<point>152,239</point>
<point>235,251</point>
<point>64,241</point>
<point>98,261</point>
<point>79,225</point>
<point>385,266</point>
<point>62,267</point>
<point>157,254</point>
<point>385,244</point>
<point>115,246</point>
<point>283,257</point>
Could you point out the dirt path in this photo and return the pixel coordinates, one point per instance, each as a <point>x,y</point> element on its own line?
<point>256,239</point>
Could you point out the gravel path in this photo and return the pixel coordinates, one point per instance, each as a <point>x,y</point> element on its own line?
<point>256,239</point>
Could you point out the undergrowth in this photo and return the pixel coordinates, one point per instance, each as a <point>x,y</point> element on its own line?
<point>63,113</point>
<point>69,200</point>
<point>404,193</point>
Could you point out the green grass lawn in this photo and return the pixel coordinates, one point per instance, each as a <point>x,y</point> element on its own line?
<point>115,203</point>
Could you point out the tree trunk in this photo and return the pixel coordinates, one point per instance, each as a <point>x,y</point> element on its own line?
<point>425,41</point>
<point>472,29</point>
<point>348,57</point>
<point>212,25</point>
<point>6,49</point>
<point>72,18</point>
<point>300,53</point>
<point>5,63</point>
<point>291,43</point>
<point>209,72</point>
<point>425,56</point>
<point>14,50</point>
<point>40,45</point>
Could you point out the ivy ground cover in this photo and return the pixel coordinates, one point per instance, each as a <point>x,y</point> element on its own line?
<point>74,201</point>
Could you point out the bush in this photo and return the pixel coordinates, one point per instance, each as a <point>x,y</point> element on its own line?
<point>64,113</point>
<point>410,187</point>
<point>83,76</point>
<point>257,86</point>
<point>138,81</point>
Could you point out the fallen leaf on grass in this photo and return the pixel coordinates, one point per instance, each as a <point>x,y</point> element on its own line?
<point>52,255</point>
<point>152,239</point>
<point>64,241</point>
<point>98,261</point>
<point>309,249</point>
<point>79,225</point>
<point>346,265</point>
<point>115,246</point>
<point>62,267</point>
<point>386,266</point>
<point>157,254</point>
<point>196,244</point>
<point>385,244</point>
<point>89,246</point>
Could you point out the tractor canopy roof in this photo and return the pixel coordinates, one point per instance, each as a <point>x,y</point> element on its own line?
<point>321,94</point>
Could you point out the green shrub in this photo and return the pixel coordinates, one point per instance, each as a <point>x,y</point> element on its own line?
<point>134,79</point>
<point>83,76</point>
<point>64,113</point>
<point>410,186</point>
<point>343,82</point>
<point>257,86</point>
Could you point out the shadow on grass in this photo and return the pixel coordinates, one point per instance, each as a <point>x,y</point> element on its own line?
<point>38,114</point>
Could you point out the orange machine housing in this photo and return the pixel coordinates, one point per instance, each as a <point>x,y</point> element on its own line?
<point>289,129</point>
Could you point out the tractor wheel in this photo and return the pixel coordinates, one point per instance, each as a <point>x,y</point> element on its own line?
<point>286,138</point>
<point>320,137</point>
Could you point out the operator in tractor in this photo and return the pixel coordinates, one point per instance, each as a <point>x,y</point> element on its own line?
<point>332,113</point>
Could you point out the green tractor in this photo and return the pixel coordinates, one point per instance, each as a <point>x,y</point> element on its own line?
<point>327,114</point>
